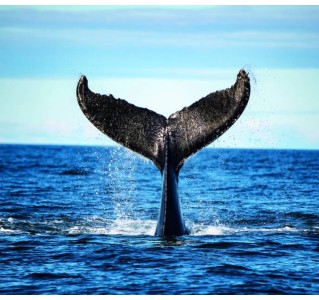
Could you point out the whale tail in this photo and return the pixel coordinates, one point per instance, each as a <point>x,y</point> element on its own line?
<point>145,131</point>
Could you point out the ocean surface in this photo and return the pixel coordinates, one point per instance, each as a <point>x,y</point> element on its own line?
<point>81,220</point>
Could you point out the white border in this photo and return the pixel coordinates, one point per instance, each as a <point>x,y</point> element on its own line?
<point>159,2</point>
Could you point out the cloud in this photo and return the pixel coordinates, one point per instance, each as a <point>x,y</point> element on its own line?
<point>175,17</point>
<point>236,38</point>
<point>212,27</point>
<point>44,42</point>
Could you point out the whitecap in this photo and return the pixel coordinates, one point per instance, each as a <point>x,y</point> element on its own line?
<point>3,230</point>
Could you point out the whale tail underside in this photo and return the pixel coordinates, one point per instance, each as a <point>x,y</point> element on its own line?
<point>145,132</point>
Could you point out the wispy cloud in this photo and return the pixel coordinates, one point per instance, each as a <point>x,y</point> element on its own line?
<point>167,16</point>
<point>46,41</point>
<point>137,38</point>
<point>246,26</point>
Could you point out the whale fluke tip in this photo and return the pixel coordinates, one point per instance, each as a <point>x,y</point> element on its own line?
<point>242,74</point>
<point>83,81</point>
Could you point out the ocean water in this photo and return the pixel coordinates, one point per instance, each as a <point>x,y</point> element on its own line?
<point>80,220</point>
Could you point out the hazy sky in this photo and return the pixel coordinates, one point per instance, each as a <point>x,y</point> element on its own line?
<point>163,58</point>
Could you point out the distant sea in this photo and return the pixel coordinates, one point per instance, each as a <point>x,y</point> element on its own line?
<point>81,220</point>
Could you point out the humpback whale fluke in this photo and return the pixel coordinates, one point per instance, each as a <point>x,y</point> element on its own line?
<point>166,142</point>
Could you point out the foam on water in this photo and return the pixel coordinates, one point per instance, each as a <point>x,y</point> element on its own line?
<point>97,225</point>
<point>133,227</point>
<point>147,227</point>
<point>125,226</point>
<point>9,231</point>
<point>118,227</point>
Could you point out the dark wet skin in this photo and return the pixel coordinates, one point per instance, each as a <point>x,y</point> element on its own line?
<point>167,142</point>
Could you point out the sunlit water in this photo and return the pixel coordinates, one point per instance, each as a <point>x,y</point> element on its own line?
<point>81,220</point>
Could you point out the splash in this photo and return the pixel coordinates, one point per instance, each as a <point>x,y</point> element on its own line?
<point>117,227</point>
<point>208,230</point>
<point>147,227</point>
<point>131,227</point>
<point>120,177</point>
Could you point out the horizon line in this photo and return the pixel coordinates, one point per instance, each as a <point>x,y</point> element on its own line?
<point>210,146</point>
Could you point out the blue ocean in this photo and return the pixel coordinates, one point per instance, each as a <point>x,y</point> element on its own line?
<point>81,220</point>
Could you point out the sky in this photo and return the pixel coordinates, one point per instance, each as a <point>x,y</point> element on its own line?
<point>163,58</point>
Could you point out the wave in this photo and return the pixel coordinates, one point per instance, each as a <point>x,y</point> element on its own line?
<point>129,227</point>
<point>224,230</point>
<point>75,172</point>
<point>10,231</point>
<point>303,216</point>
<point>147,227</point>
